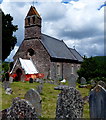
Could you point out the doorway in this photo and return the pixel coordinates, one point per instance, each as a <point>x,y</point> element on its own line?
<point>18,73</point>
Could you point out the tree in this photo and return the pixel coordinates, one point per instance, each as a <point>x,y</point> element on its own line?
<point>93,68</point>
<point>88,68</point>
<point>8,40</point>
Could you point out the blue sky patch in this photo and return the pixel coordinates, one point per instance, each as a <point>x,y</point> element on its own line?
<point>1,1</point>
<point>68,1</point>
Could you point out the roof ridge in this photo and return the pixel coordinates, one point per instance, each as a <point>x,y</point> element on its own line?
<point>77,52</point>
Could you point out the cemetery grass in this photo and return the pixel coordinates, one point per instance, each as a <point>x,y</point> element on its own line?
<point>49,97</point>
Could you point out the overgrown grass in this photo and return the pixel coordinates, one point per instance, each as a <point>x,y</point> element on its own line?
<point>49,97</point>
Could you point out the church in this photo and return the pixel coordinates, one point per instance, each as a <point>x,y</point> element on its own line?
<point>49,55</point>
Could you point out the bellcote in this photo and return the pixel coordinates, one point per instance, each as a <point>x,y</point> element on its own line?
<point>32,24</point>
<point>33,17</point>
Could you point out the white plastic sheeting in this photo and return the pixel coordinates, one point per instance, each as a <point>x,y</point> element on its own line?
<point>28,66</point>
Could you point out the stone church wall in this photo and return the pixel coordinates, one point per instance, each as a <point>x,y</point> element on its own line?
<point>41,58</point>
<point>65,70</point>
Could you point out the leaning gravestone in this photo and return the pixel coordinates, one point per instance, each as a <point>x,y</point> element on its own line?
<point>34,98</point>
<point>20,110</point>
<point>69,103</point>
<point>97,102</point>
<point>72,80</point>
<point>83,81</point>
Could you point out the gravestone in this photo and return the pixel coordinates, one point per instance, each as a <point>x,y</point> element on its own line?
<point>72,80</point>
<point>34,98</point>
<point>8,91</point>
<point>6,84</point>
<point>93,82</point>
<point>103,84</point>
<point>40,88</point>
<point>83,81</point>
<point>97,102</point>
<point>39,80</point>
<point>69,103</point>
<point>19,110</point>
<point>11,79</point>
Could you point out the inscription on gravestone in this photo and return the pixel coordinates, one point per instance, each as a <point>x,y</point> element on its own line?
<point>97,102</point>
<point>34,98</point>
<point>72,80</point>
<point>69,103</point>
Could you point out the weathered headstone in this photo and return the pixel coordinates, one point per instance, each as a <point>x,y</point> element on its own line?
<point>34,98</point>
<point>69,103</point>
<point>103,84</point>
<point>8,91</point>
<point>72,80</point>
<point>6,84</point>
<point>93,82</point>
<point>83,81</point>
<point>97,102</point>
<point>19,110</point>
<point>11,79</point>
<point>40,88</point>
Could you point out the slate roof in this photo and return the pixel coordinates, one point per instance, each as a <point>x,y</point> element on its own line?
<point>77,55</point>
<point>58,49</point>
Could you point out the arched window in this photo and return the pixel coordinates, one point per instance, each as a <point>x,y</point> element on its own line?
<point>30,52</point>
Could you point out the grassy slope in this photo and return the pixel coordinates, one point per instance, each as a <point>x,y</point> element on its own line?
<point>49,97</point>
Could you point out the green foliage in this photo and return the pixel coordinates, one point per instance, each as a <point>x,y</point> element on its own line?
<point>92,68</point>
<point>8,40</point>
<point>5,66</point>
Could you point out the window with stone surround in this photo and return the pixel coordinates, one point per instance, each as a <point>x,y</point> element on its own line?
<point>72,68</point>
<point>58,69</point>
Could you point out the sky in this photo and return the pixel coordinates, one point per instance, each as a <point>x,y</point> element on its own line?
<point>80,23</point>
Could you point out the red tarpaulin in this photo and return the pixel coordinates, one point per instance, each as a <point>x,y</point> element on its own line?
<point>28,76</point>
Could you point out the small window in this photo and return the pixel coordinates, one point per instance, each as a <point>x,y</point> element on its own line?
<point>72,68</point>
<point>58,69</point>
<point>78,67</point>
<point>33,18</point>
<point>31,52</point>
<point>29,21</point>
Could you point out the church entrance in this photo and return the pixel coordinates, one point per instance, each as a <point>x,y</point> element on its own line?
<point>18,73</point>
